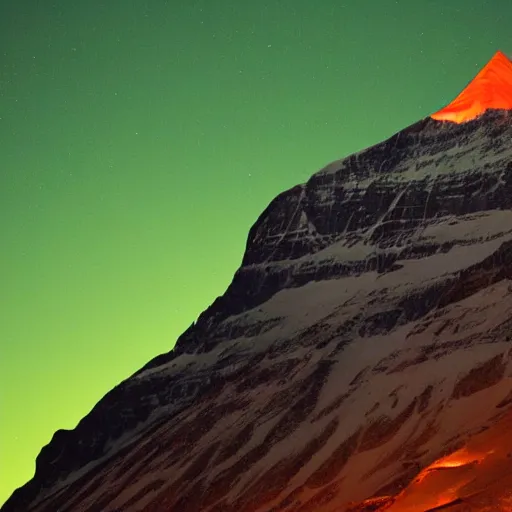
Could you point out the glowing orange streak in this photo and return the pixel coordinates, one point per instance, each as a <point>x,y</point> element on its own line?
<point>457,459</point>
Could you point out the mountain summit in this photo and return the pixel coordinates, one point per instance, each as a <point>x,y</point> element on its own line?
<point>490,89</point>
<point>360,360</point>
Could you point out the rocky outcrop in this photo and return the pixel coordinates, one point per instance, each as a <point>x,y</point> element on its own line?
<point>366,334</point>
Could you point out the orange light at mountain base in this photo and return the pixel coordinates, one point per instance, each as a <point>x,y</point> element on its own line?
<point>490,89</point>
<point>477,477</point>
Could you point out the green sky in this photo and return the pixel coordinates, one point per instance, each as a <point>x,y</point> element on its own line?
<point>139,140</point>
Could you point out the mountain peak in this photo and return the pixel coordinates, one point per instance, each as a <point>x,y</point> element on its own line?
<point>490,89</point>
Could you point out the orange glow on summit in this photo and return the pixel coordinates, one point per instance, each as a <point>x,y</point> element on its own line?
<point>490,89</point>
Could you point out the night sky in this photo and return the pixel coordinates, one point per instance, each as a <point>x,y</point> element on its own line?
<point>141,139</point>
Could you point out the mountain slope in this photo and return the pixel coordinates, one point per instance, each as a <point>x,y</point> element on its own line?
<point>366,335</point>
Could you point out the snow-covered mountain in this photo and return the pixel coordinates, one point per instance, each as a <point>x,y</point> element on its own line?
<point>361,358</point>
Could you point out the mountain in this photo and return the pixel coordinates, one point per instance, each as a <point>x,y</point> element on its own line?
<point>360,360</point>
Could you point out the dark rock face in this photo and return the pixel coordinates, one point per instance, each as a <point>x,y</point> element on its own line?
<point>373,305</point>
<point>382,198</point>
